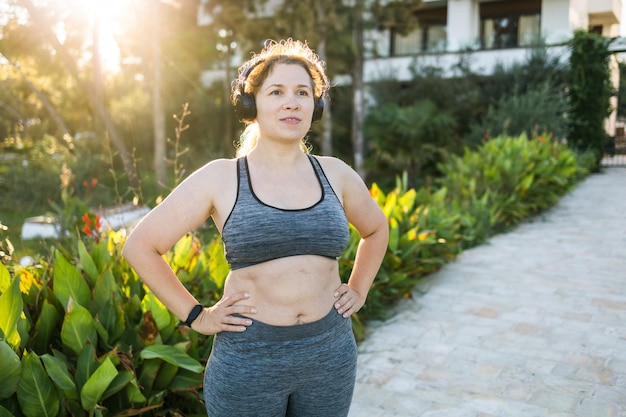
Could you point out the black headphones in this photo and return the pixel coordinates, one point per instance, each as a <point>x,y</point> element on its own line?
<point>245,106</point>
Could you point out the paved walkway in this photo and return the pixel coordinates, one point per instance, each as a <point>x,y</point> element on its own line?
<point>531,324</point>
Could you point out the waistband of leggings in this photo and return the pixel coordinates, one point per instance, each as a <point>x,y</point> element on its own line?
<point>261,331</point>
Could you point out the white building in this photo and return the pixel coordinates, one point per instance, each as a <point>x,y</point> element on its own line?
<point>492,32</point>
<point>489,32</point>
<point>495,31</point>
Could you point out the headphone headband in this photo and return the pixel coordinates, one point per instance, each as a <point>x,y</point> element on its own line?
<point>245,105</point>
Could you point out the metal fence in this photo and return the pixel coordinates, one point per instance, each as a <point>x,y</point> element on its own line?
<point>614,160</point>
<point>615,152</point>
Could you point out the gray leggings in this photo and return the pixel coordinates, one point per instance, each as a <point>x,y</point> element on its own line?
<point>306,370</point>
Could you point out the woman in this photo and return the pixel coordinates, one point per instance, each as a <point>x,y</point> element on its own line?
<point>283,341</point>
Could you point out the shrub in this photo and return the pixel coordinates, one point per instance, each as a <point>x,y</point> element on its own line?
<point>539,109</point>
<point>589,93</point>
<point>412,138</point>
<point>420,242</point>
<point>507,180</point>
<point>83,332</point>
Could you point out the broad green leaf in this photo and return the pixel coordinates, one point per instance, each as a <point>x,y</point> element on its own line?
<point>5,278</point>
<point>526,183</point>
<point>104,290</point>
<point>407,201</point>
<point>69,283</point>
<point>87,263</point>
<point>102,332</point>
<point>165,376</point>
<point>172,355</point>
<point>185,380</point>
<point>111,316</point>
<point>134,393</point>
<point>78,328</point>
<point>11,306</point>
<point>85,366</point>
<point>35,391</point>
<point>218,266</point>
<point>122,379</point>
<point>97,384</point>
<point>390,205</point>
<point>11,370</point>
<point>58,372</point>
<point>46,326</point>
<point>101,255</point>
<point>148,373</point>
<point>394,236</point>
<point>5,413</point>
<point>160,313</point>
<point>106,314</point>
<point>183,253</point>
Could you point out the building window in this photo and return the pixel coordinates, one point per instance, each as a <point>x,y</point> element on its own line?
<point>596,29</point>
<point>429,36</point>
<point>509,24</point>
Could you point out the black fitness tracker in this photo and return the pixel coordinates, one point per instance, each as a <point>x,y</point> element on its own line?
<point>195,312</point>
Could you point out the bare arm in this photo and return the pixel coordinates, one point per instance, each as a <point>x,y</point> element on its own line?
<point>188,206</point>
<point>370,221</point>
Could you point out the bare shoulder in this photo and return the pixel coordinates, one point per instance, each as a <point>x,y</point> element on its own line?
<point>214,175</point>
<point>361,209</point>
<point>218,167</point>
<point>335,166</point>
<point>339,173</point>
<point>207,184</point>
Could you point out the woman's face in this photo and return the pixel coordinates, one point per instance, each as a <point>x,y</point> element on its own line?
<point>285,103</point>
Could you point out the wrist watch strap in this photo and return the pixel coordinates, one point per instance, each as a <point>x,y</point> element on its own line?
<point>195,312</point>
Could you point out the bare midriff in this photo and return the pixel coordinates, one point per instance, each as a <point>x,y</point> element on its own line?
<point>287,291</point>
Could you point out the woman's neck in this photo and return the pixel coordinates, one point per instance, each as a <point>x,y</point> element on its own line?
<point>277,156</point>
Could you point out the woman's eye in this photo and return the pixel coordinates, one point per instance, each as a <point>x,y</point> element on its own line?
<point>275,92</point>
<point>303,93</point>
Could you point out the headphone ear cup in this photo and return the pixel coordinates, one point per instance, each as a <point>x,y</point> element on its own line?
<point>318,110</point>
<point>245,107</point>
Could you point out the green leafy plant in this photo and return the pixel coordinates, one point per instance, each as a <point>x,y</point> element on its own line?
<point>81,335</point>
<point>540,108</point>
<point>420,242</point>
<point>506,180</point>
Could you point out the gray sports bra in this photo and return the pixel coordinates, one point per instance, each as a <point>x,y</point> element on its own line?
<point>255,232</point>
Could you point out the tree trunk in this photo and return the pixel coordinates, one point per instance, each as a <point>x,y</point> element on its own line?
<point>158,117</point>
<point>358,141</point>
<point>227,143</point>
<point>97,61</point>
<point>327,121</point>
<point>54,114</point>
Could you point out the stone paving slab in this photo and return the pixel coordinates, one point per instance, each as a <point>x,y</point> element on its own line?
<point>532,323</point>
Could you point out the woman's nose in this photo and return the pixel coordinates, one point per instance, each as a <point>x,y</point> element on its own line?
<point>291,102</point>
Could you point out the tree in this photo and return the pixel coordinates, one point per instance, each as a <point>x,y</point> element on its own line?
<point>397,16</point>
<point>589,92</point>
<point>621,101</point>
<point>158,113</point>
<point>227,26</point>
<point>50,38</point>
<point>318,22</point>
<point>409,138</point>
<point>344,22</point>
<point>358,90</point>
